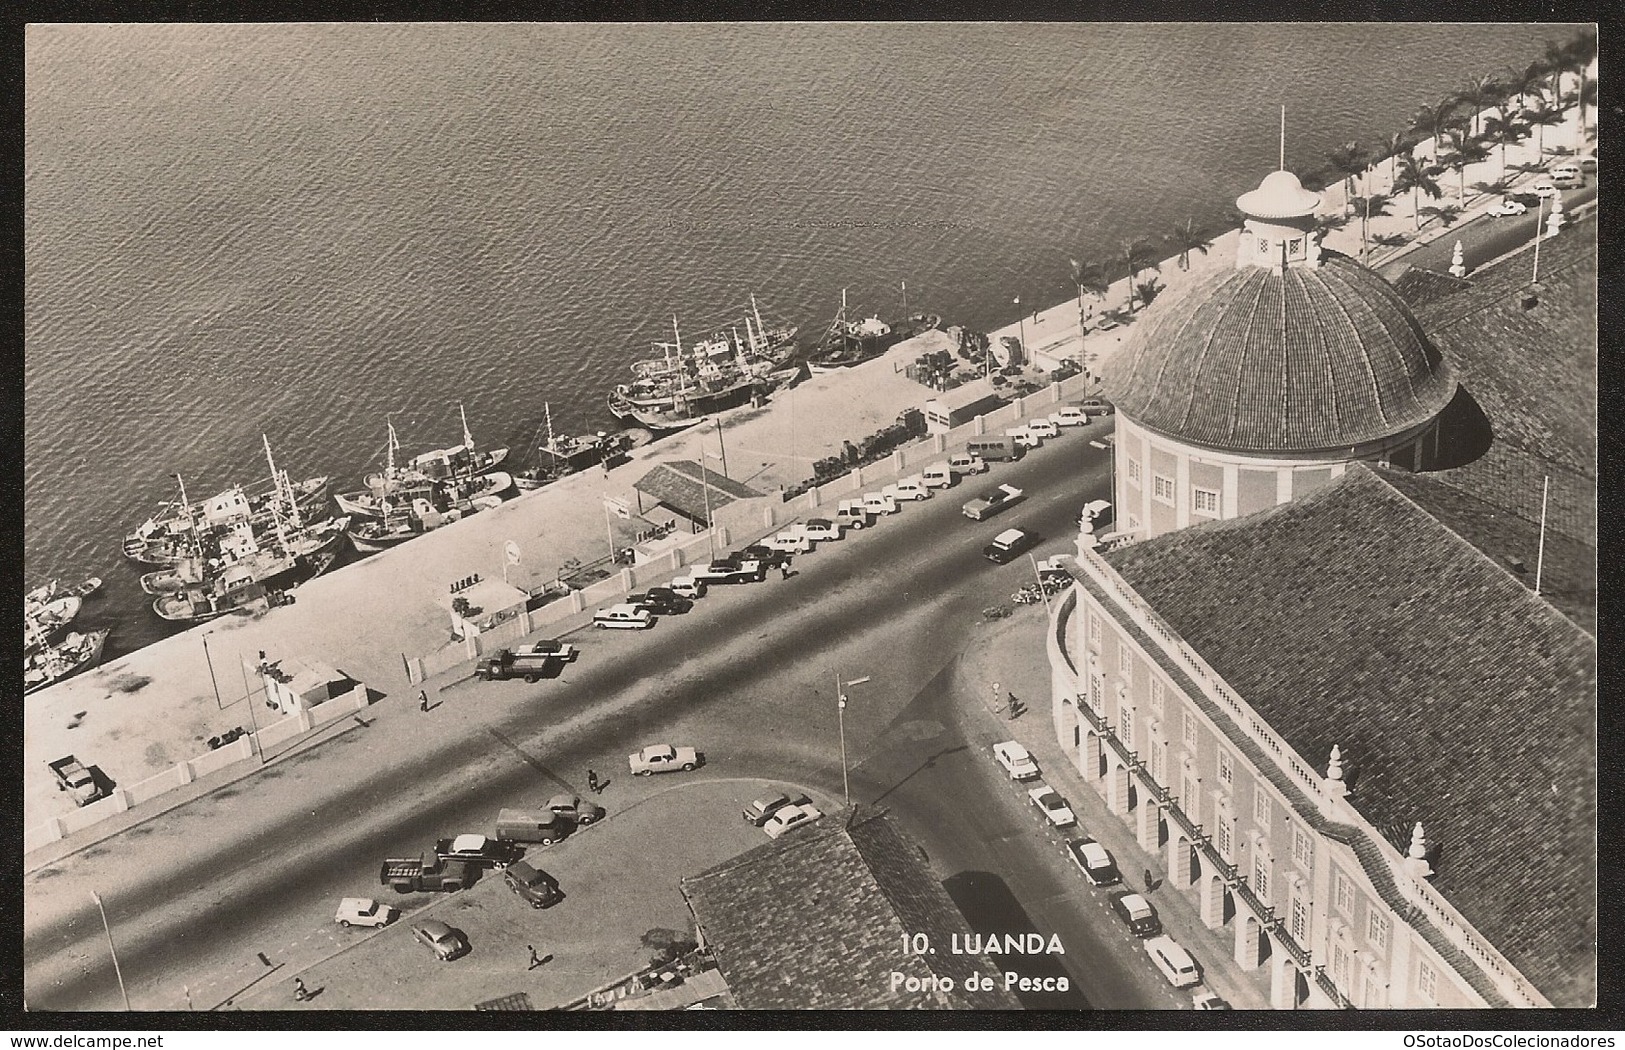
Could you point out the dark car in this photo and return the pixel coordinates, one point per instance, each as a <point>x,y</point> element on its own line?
<point>534,885</point>
<point>769,557</point>
<point>1097,406</point>
<point>661,604</point>
<point>757,813</point>
<point>1095,861</point>
<point>1009,544</point>
<point>576,809</point>
<point>1137,913</point>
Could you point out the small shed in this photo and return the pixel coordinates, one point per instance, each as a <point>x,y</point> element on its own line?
<point>960,405</point>
<point>478,605</point>
<point>293,685</point>
<point>691,490</point>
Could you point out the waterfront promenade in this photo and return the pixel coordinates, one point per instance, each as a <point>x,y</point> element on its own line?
<point>156,707</point>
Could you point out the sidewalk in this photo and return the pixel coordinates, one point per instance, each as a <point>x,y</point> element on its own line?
<point>1012,656</point>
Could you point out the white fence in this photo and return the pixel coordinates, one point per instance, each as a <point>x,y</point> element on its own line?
<point>123,799</point>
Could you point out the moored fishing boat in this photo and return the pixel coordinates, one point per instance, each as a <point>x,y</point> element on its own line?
<point>562,455</point>
<point>43,621</point>
<point>682,387</point>
<point>370,535</point>
<point>847,342</point>
<point>54,663</point>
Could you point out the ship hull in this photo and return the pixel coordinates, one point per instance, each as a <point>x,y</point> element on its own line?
<point>40,671</point>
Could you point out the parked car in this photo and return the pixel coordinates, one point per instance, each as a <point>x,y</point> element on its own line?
<point>1016,760</point>
<point>1508,207</point>
<point>764,553</point>
<point>790,542</point>
<point>1096,862</point>
<point>1588,162</point>
<point>477,849</point>
<point>364,911</point>
<point>758,812</point>
<point>1056,567</point>
<point>1044,427</point>
<point>1052,805</point>
<point>534,886</point>
<point>788,818</point>
<point>1173,961</point>
<point>1545,189</point>
<point>1137,914</point>
<point>667,604</point>
<point>909,488</point>
<point>821,529</point>
<point>576,809</point>
<point>623,616</point>
<point>1108,323</point>
<point>878,503</point>
<point>1208,1001</point>
<point>1097,406</point>
<point>548,647</point>
<point>446,943</point>
<point>1070,416</point>
<point>663,758</point>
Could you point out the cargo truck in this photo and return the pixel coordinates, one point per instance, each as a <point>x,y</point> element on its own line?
<point>505,664</point>
<point>72,777</point>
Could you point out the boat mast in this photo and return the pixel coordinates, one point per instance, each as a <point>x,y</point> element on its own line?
<point>682,369</point>
<point>468,439</point>
<point>761,329</point>
<point>284,486</point>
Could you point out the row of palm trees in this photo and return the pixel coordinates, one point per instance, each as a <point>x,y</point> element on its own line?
<point>1530,99</point>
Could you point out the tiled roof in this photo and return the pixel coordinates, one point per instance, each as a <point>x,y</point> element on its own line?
<point>816,919</point>
<point>1419,287</point>
<point>1351,616</point>
<point>1532,371</point>
<point>1251,360</point>
<point>678,484</point>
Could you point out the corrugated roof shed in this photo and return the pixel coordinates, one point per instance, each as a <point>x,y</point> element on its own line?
<point>816,919</point>
<point>678,485</point>
<point>1351,616</point>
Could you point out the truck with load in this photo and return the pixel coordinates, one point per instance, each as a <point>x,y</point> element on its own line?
<point>506,663</point>
<point>72,777</point>
<point>416,875</point>
<point>991,502</point>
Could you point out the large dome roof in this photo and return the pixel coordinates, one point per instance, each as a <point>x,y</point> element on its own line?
<point>1255,360</point>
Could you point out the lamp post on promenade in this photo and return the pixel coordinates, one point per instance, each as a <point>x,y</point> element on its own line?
<point>117,971</point>
<point>212,680</point>
<point>1042,593</point>
<point>840,717</point>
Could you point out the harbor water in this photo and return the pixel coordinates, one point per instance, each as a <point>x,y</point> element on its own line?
<point>305,230</point>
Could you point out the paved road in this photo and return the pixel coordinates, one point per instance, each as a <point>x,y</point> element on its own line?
<point>1483,239</point>
<point>748,676</point>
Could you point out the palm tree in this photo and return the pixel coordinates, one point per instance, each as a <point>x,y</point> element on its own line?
<point>1528,84</point>
<point>1090,276</point>
<point>1580,53</point>
<point>1542,115</point>
<point>1480,93</point>
<point>1555,61</point>
<point>1136,256</point>
<point>1186,238</point>
<point>1464,150</point>
<point>1348,160</point>
<point>1391,147</point>
<point>1370,205</point>
<point>1431,121</point>
<point>1413,176</point>
<point>1505,129</point>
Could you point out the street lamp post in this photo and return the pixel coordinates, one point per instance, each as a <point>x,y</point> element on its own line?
<point>212,680</point>
<point>248,695</point>
<point>840,718</point>
<point>721,446</point>
<point>119,973</point>
<point>1042,593</point>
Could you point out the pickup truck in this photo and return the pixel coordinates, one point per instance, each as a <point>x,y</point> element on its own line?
<point>991,502</point>
<point>72,777</point>
<point>416,875</point>
<point>506,663</point>
<point>722,571</point>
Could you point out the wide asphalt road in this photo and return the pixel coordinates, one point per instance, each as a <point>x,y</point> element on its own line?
<point>1484,238</point>
<point>748,677</point>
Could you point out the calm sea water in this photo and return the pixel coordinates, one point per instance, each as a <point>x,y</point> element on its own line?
<point>300,230</point>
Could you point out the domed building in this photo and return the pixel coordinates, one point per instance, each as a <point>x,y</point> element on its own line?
<point>1259,384</point>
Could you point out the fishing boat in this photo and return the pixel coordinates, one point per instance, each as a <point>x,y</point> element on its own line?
<point>164,538</point>
<point>562,455</point>
<point>44,621</point>
<point>370,535</point>
<point>446,475</point>
<point>847,342</point>
<point>55,662</point>
<point>682,387</point>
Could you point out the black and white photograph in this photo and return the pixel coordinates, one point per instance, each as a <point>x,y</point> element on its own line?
<point>531,516</point>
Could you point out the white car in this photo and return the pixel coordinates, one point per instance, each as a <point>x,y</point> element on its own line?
<point>1508,207</point>
<point>662,758</point>
<point>1053,806</point>
<point>363,911</point>
<point>788,818</point>
<point>1545,189</point>
<point>821,529</point>
<point>1016,760</point>
<point>1070,416</point>
<point>879,503</point>
<point>1044,427</point>
<point>1208,1001</point>
<point>791,541</point>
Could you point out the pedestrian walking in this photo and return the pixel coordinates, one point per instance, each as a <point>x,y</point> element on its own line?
<point>784,569</point>
<point>423,700</point>
<point>592,781</point>
<point>1149,879</point>
<point>535,960</point>
<point>299,992</point>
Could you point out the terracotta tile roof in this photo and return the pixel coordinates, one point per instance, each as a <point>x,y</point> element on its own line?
<point>1419,287</point>
<point>816,920</point>
<point>1250,360</point>
<point>1459,698</point>
<point>678,485</point>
